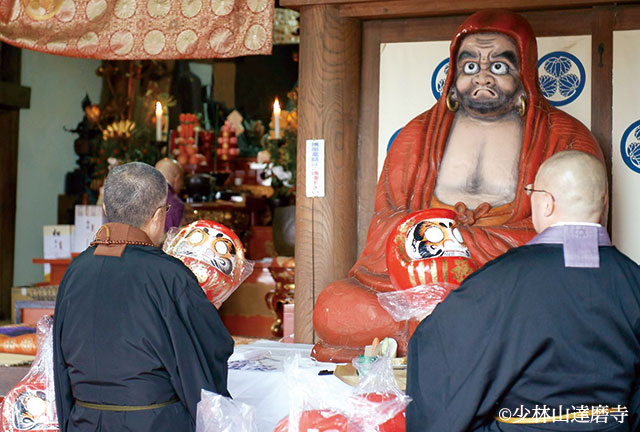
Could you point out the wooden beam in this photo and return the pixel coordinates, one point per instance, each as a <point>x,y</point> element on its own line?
<point>9,123</point>
<point>452,6</point>
<point>10,63</point>
<point>417,8</point>
<point>627,17</point>
<point>296,4</point>
<point>327,109</point>
<point>602,85</point>
<point>443,28</point>
<point>14,95</point>
<point>368,129</point>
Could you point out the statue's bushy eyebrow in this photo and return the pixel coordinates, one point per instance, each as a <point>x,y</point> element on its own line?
<point>509,56</point>
<point>466,54</point>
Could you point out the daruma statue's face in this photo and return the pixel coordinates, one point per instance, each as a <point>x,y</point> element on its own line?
<point>487,75</point>
<point>213,253</point>
<point>425,248</point>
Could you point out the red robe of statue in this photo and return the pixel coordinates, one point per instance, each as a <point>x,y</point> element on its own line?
<point>347,313</point>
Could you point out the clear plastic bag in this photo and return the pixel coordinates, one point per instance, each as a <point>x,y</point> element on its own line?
<point>214,254</point>
<point>217,413</point>
<point>376,404</point>
<point>31,404</point>
<point>414,303</point>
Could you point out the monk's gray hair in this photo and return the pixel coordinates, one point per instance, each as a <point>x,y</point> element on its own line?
<point>133,192</point>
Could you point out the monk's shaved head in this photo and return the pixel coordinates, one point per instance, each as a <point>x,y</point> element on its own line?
<point>577,182</point>
<point>169,168</point>
<point>172,172</point>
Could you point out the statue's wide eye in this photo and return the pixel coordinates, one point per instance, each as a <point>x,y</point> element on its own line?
<point>434,234</point>
<point>499,68</point>
<point>471,68</point>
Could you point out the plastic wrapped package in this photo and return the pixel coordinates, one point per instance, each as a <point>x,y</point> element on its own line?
<point>378,391</point>
<point>376,404</point>
<point>31,405</point>
<point>214,254</point>
<point>217,413</point>
<point>414,303</point>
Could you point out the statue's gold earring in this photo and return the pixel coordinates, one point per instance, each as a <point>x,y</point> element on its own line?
<point>453,107</point>
<point>523,106</point>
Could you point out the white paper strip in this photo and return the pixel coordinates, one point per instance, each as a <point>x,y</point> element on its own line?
<point>315,168</point>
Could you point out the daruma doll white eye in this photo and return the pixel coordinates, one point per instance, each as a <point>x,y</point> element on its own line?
<point>221,248</point>
<point>196,237</point>
<point>458,235</point>
<point>434,234</point>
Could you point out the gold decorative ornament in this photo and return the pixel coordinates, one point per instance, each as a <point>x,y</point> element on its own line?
<point>523,106</point>
<point>93,113</point>
<point>119,130</point>
<point>41,10</point>
<point>461,270</point>
<point>286,26</point>
<point>453,107</point>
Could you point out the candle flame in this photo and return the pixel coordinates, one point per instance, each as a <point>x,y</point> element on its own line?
<point>158,108</point>
<point>276,107</point>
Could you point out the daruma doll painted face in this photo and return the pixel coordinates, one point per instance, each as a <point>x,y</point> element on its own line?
<point>425,248</point>
<point>214,254</point>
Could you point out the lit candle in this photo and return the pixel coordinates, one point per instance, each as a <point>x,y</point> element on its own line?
<point>276,117</point>
<point>158,121</point>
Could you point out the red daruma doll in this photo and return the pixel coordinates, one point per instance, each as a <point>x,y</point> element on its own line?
<point>427,258</point>
<point>214,254</point>
<point>30,405</point>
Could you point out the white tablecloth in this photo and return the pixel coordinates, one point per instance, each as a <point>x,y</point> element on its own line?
<point>256,377</point>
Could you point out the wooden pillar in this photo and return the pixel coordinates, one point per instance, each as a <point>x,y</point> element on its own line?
<point>327,109</point>
<point>12,98</point>
<point>602,89</point>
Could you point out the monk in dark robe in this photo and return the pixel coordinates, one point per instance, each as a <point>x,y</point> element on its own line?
<point>472,152</point>
<point>135,338</point>
<point>544,338</point>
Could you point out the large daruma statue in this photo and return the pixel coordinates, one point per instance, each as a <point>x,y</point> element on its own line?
<point>214,254</point>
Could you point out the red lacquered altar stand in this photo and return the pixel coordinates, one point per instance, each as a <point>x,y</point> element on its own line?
<point>58,267</point>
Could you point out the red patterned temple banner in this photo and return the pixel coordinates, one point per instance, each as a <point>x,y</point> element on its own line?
<point>139,29</point>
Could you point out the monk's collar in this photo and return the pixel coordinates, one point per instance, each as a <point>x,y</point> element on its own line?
<point>580,242</point>
<point>112,238</point>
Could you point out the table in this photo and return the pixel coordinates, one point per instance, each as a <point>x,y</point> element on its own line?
<point>257,378</point>
<point>260,383</point>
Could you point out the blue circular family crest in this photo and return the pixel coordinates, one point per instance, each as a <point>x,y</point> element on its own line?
<point>630,146</point>
<point>438,77</point>
<point>561,76</point>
